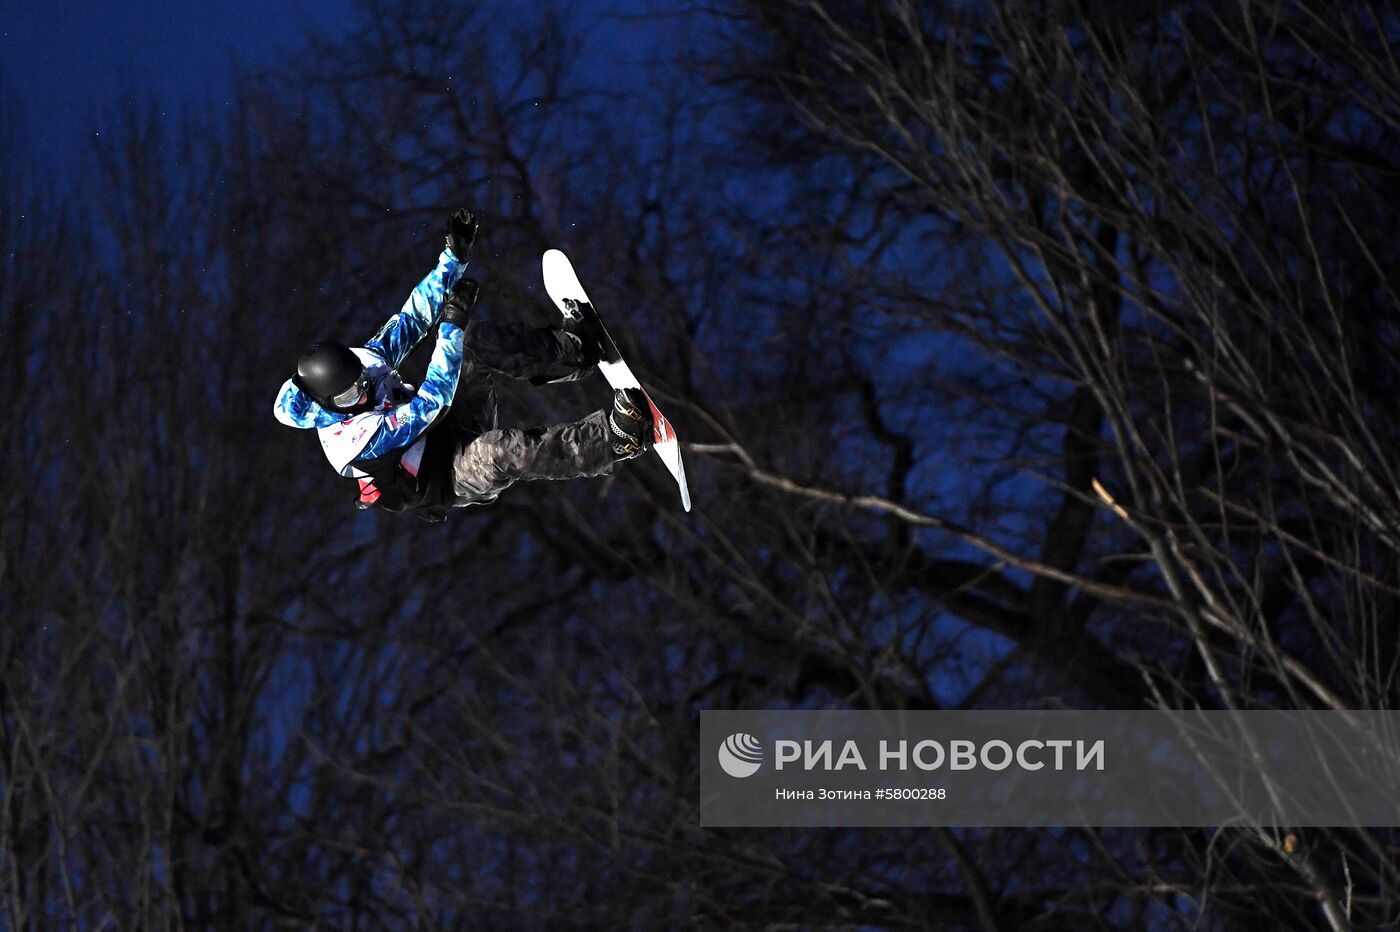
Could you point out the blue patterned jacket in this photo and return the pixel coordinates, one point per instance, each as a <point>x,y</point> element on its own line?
<point>401,415</point>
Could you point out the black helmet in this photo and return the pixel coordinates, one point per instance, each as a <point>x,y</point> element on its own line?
<point>333,375</point>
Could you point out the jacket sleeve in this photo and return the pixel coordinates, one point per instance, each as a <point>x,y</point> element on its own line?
<point>401,333</point>
<point>295,408</point>
<point>402,426</point>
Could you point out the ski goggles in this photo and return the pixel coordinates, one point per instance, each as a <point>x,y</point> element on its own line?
<point>351,395</point>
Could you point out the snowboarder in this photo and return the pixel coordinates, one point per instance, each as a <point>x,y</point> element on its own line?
<point>407,454</point>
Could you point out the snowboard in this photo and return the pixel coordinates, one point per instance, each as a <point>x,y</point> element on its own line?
<point>561,282</point>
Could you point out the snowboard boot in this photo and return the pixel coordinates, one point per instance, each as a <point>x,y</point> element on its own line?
<point>581,324</point>
<point>629,423</point>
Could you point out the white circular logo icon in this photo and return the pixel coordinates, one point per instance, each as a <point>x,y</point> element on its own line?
<point>740,755</point>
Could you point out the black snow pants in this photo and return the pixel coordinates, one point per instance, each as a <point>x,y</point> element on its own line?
<point>486,458</point>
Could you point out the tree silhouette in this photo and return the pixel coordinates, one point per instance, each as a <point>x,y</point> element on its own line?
<point>1026,355</point>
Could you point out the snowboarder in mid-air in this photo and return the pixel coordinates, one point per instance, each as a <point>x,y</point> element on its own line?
<point>407,454</point>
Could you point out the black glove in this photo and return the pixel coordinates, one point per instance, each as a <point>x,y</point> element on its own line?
<point>461,233</point>
<point>457,309</point>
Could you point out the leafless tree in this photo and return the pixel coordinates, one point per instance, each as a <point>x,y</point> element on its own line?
<point>1163,234</point>
<point>1027,354</point>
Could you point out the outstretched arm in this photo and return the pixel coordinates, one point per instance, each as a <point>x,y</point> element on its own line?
<point>406,423</point>
<point>396,339</point>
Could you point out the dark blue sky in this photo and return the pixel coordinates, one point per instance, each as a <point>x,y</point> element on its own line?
<point>68,62</point>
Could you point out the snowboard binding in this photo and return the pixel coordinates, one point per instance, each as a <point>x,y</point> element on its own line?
<point>582,325</point>
<point>630,423</point>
